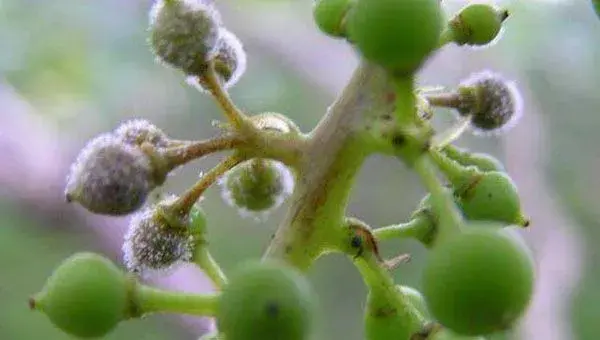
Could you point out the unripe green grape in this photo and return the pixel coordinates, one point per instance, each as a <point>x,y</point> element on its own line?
<point>110,177</point>
<point>276,122</point>
<point>482,161</point>
<point>396,34</point>
<point>491,196</point>
<point>446,334</point>
<point>329,15</point>
<point>478,282</point>
<point>493,103</point>
<point>266,300</point>
<point>596,4</point>
<point>86,296</point>
<point>477,24</point>
<point>257,186</point>
<point>154,242</point>
<point>138,131</point>
<point>384,320</point>
<point>184,33</point>
<point>415,298</point>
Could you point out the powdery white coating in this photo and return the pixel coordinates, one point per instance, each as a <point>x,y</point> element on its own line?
<point>184,33</point>
<point>499,105</point>
<point>281,189</point>
<point>229,61</point>
<point>110,177</point>
<point>137,131</point>
<point>274,122</point>
<point>152,245</point>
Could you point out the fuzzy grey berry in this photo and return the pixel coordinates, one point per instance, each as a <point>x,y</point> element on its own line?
<point>110,177</point>
<point>185,33</point>
<point>256,187</point>
<point>138,131</point>
<point>154,242</point>
<point>229,61</point>
<point>493,103</point>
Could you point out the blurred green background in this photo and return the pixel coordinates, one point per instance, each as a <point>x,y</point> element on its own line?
<point>72,69</point>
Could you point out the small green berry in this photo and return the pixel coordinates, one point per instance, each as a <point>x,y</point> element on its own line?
<point>493,103</point>
<point>138,131</point>
<point>385,320</point>
<point>478,282</point>
<point>596,4</point>
<point>110,177</point>
<point>276,122</point>
<point>156,242</point>
<point>329,15</point>
<point>491,196</point>
<point>184,33</point>
<point>482,161</point>
<point>257,186</point>
<point>86,296</point>
<point>415,298</point>
<point>397,34</point>
<point>477,24</point>
<point>267,300</point>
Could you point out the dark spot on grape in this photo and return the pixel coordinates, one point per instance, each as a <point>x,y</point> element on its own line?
<point>356,241</point>
<point>272,309</point>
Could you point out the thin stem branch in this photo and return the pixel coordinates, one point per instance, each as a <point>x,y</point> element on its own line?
<point>447,100</point>
<point>411,229</point>
<point>187,200</point>
<point>204,260</point>
<point>183,154</point>
<point>235,116</point>
<point>154,300</point>
<point>449,216</point>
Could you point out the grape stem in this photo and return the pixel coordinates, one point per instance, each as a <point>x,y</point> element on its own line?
<point>235,116</point>
<point>180,155</point>
<point>449,218</point>
<point>153,300</point>
<point>417,228</point>
<point>187,200</point>
<point>204,260</point>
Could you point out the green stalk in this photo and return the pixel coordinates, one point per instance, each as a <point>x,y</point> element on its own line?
<point>152,300</point>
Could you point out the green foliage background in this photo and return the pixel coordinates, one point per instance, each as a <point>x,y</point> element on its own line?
<point>84,66</point>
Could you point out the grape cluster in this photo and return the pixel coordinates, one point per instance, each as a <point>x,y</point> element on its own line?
<point>478,277</point>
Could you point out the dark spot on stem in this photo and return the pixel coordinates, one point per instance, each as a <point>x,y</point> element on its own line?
<point>398,139</point>
<point>31,303</point>
<point>384,312</point>
<point>386,117</point>
<point>288,249</point>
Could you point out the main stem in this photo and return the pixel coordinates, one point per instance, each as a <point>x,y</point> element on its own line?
<point>333,155</point>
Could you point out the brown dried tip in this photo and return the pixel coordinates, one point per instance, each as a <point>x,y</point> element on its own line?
<point>32,303</point>
<point>504,14</point>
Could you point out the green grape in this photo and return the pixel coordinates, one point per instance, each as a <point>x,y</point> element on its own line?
<point>267,300</point>
<point>482,161</point>
<point>491,196</point>
<point>477,24</point>
<point>86,296</point>
<point>397,34</point>
<point>385,320</point>
<point>596,4</point>
<point>478,282</point>
<point>445,334</point>
<point>329,15</point>
<point>415,298</point>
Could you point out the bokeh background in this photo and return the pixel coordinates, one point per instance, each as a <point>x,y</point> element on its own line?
<point>71,69</point>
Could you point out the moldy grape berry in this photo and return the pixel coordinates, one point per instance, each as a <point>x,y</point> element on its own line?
<point>139,131</point>
<point>478,282</point>
<point>185,33</point>
<point>257,186</point>
<point>477,24</point>
<point>156,242</point>
<point>266,300</point>
<point>111,177</point>
<point>493,103</point>
<point>396,34</point>
<point>86,296</point>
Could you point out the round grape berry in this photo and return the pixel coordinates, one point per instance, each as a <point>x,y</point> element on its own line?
<point>478,282</point>
<point>267,300</point>
<point>397,34</point>
<point>86,296</point>
<point>477,24</point>
<point>329,15</point>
